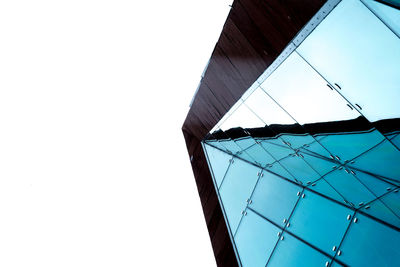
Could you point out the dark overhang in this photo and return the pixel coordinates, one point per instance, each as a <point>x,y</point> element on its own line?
<point>254,35</point>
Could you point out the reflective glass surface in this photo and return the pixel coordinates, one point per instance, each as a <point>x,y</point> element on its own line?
<point>236,188</point>
<point>319,221</point>
<point>382,160</point>
<point>242,117</point>
<point>352,48</point>
<point>396,141</point>
<point>383,211</point>
<point>300,169</point>
<point>219,161</point>
<point>316,142</point>
<point>369,243</point>
<point>255,240</point>
<point>392,200</point>
<point>389,15</point>
<point>275,198</point>
<point>349,145</point>
<point>301,90</point>
<point>259,155</point>
<point>292,252</point>
<point>276,148</point>
<point>349,187</point>
<point>266,109</point>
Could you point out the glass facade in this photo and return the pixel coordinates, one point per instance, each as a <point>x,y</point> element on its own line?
<point>307,163</point>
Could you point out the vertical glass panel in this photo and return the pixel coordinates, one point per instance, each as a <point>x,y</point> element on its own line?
<point>349,145</point>
<point>245,156</point>
<point>255,240</point>
<point>392,201</point>
<point>317,157</point>
<point>273,115</point>
<point>217,144</point>
<point>319,221</point>
<point>316,148</point>
<point>396,141</point>
<point>380,210</point>
<point>219,162</point>
<point>292,252</point>
<point>266,109</point>
<point>299,140</point>
<point>349,187</point>
<point>390,136</point>
<point>324,188</point>
<point>376,185</point>
<point>274,198</point>
<point>249,150</point>
<point>382,160</point>
<point>230,146</point>
<point>300,169</point>
<point>276,148</point>
<point>279,170</point>
<point>302,91</point>
<point>236,188</point>
<point>245,142</point>
<point>321,165</point>
<point>259,155</point>
<point>389,15</point>
<point>354,49</point>
<point>242,117</point>
<point>369,243</point>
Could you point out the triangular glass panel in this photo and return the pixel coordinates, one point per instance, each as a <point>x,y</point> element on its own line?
<point>219,162</point>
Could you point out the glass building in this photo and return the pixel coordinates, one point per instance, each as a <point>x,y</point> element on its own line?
<point>306,163</point>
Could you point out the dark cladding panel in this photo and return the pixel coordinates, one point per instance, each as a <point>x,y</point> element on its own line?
<point>255,33</point>
<point>233,43</point>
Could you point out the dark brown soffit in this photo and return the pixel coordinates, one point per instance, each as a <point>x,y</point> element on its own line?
<point>254,34</point>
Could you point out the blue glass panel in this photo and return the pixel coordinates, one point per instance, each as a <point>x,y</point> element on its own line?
<point>354,49</point>
<point>369,243</point>
<point>245,142</point>
<point>321,165</point>
<point>276,148</point>
<point>277,168</point>
<point>392,201</point>
<point>396,141</point>
<point>382,160</point>
<point>230,146</point>
<point>316,148</point>
<point>292,252</point>
<point>382,211</point>
<point>391,135</point>
<point>219,162</point>
<point>374,184</point>
<point>236,188</point>
<point>389,15</point>
<point>299,169</point>
<point>321,186</point>
<point>216,144</point>
<point>260,156</point>
<point>274,197</point>
<point>319,221</point>
<point>349,187</point>
<point>255,240</point>
<point>245,156</point>
<point>349,145</point>
<point>298,140</point>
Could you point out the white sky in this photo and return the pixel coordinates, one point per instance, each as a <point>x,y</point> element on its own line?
<point>93,166</point>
